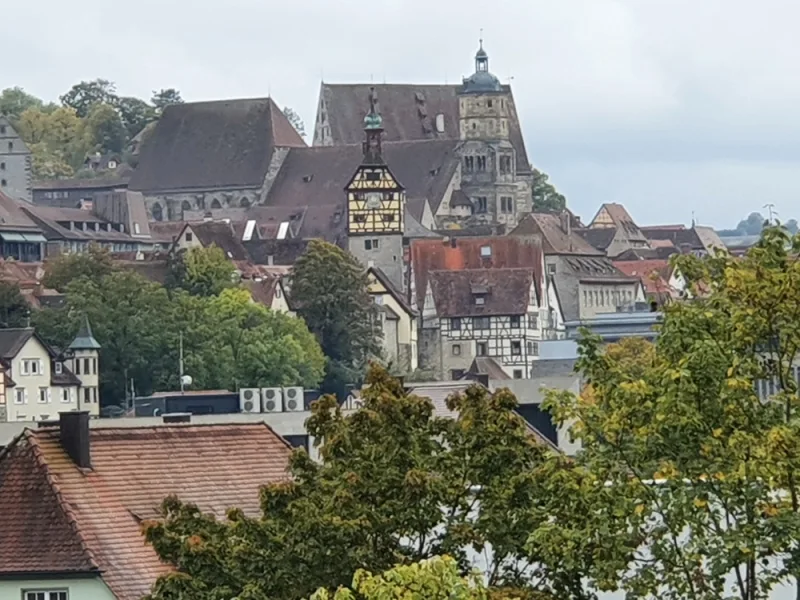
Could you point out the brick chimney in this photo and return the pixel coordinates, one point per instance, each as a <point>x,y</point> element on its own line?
<point>566,222</point>
<point>74,436</point>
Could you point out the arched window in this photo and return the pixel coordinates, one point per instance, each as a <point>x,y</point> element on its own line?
<point>158,212</point>
<point>216,204</point>
<point>186,205</point>
<point>244,202</point>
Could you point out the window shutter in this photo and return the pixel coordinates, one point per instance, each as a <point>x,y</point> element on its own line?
<point>25,395</point>
<point>49,397</point>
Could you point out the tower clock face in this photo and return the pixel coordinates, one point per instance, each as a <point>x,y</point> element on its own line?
<point>373,201</point>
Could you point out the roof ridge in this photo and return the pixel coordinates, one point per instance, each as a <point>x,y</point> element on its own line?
<point>63,503</point>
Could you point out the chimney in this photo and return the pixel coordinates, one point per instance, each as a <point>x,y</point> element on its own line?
<point>566,222</point>
<point>74,436</point>
<point>170,418</point>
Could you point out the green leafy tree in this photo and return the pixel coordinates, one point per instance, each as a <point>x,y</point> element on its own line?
<point>295,120</point>
<point>687,478</point>
<point>164,98</point>
<point>94,265</point>
<point>396,486</point>
<point>84,96</point>
<point>14,309</point>
<point>330,289</point>
<point>57,140</point>
<point>135,114</point>
<point>15,101</point>
<point>106,129</point>
<point>201,271</point>
<point>545,196</point>
<point>433,579</point>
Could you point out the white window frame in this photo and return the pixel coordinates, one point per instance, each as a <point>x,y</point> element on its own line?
<point>24,396</point>
<point>46,395</point>
<point>49,594</point>
<point>66,396</point>
<point>59,368</point>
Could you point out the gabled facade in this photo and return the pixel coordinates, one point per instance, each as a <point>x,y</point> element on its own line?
<point>41,383</point>
<point>614,231</point>
<point>398,322</point>
<point>15,163</point>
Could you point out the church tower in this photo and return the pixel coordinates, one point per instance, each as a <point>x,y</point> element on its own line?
<point>488,167</point>
<point>85,365</point>
<point>376,205</point>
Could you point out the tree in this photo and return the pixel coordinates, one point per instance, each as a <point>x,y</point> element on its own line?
<point>163,98</point>
<point>84,96</point>
<point>15,101</point>
<point>14,309</point>
<point>295,120</point>
<point>201,271</point>
<point>135,114</point>
<point>94,265</point>
<point>396,486</point>
<point>687,477</point>
<point>106,129</point>
<point>545,196</point>
<point>433,579</point>
<point>57,139</point>
<point>330,289</point>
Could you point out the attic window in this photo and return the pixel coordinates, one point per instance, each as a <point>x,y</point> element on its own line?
<point>307,178</point>
<point>136,229</point>
<point>486,251</point>
<point>59,368</point>
<point>480,300</point>
<point>373,176</point>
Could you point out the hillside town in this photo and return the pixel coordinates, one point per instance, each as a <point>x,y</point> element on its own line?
<point>240,361</point>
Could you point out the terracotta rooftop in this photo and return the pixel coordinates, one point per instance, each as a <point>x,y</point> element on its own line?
<point>62,518</point>
<point>500,292</point>
<point>654,274</point>
<point>558,236</point>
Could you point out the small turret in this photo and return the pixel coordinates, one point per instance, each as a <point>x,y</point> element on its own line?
<point>85,358</point>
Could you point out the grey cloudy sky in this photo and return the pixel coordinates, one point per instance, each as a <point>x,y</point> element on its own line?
<point>668,106</point>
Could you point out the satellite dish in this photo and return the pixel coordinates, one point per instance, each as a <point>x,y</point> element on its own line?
<point>186,380</point>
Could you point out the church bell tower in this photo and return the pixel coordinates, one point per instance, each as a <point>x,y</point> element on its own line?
<point>376,204</point>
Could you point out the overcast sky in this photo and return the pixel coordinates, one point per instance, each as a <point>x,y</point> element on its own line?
<point>667,106</point>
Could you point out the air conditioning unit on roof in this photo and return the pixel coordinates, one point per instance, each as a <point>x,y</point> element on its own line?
<point>293,399</point>
<point>272,399</point>
<point>250,400</point>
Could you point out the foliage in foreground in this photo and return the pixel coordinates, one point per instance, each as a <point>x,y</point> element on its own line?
<point>396,486</point>
<point>687,477</point>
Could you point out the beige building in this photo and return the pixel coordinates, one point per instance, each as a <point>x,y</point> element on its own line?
<point>40,383</point>
<point>398,322</point>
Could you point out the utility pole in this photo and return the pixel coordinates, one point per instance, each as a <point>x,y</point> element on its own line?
<point>180,361</point>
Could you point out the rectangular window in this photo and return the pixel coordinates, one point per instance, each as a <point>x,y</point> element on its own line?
<point>388,218</point>
<point>469,164</point>
<point>45,595</point>
<point>65,396</point>
<point>516,348</point>
<point>87,365</point>
<point>505,164</point>
<point>19,396</point>
<point>456,349</point>
<point>480,300</point>
<point>480,349</point>
<point>517,373</point>
<point>77,366</point>
<point>359,218</point>
<point>533,321</point>
<point>486,251</point>
<point>515,321</point>
<point>551,269</point>
<point>481,163</point>
<point>506,204</point>
<point>188,236</point>
<point>94,366</point>
<point>455,324</point>
<point>481,204</point>
<point>533,348</point>
<point>373,244</point>
<point>489,103</point>
<point>87,398</point>
<point>44,395</point>
<point>59,368</point>
<point>481,322</point>
<point>373,176</point>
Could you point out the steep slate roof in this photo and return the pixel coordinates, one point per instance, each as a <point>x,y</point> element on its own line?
<point>391,289</point>
<point>317,176</point>
<point>213,145</point>
<point>408,112</point>
<point>508,292</point>
<point>455,254</point>
<point>95,515</point>
<point>283,252</point>
<point>600,237</point>
<point>486,365</point>
<point>221,235</point>
<point>554,239</point>
<point>12,341</point>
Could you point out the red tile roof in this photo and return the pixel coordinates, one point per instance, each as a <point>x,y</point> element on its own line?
<point>456,254</point>
<point>655,275</point>
<point>92,518</point>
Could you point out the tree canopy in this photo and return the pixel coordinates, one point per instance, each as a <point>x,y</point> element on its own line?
<point>754,224</point>
<point>688,478</point>
<point>229,341</point>
<point>14,309</point>
<point>91,118</point>
<point>330,290</point>
<point>396,485</point>
<point>545,196</point>
<point>201,271</point>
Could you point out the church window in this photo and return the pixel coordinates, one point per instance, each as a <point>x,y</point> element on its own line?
<point>244,203</point>
<point>185,205</point>
<point>216,204</point>
<point>481,163</point>
<point>507,204</point>
<point>469,164</point>
<point>481,204</point>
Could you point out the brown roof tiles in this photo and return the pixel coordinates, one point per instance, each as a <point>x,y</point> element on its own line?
<point>501,292</point>
<point>93,517</point>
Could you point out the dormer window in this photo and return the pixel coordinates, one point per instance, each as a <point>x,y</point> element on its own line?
<point>480,300</point>
<point>486,251</point>
<point>59,368</point>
